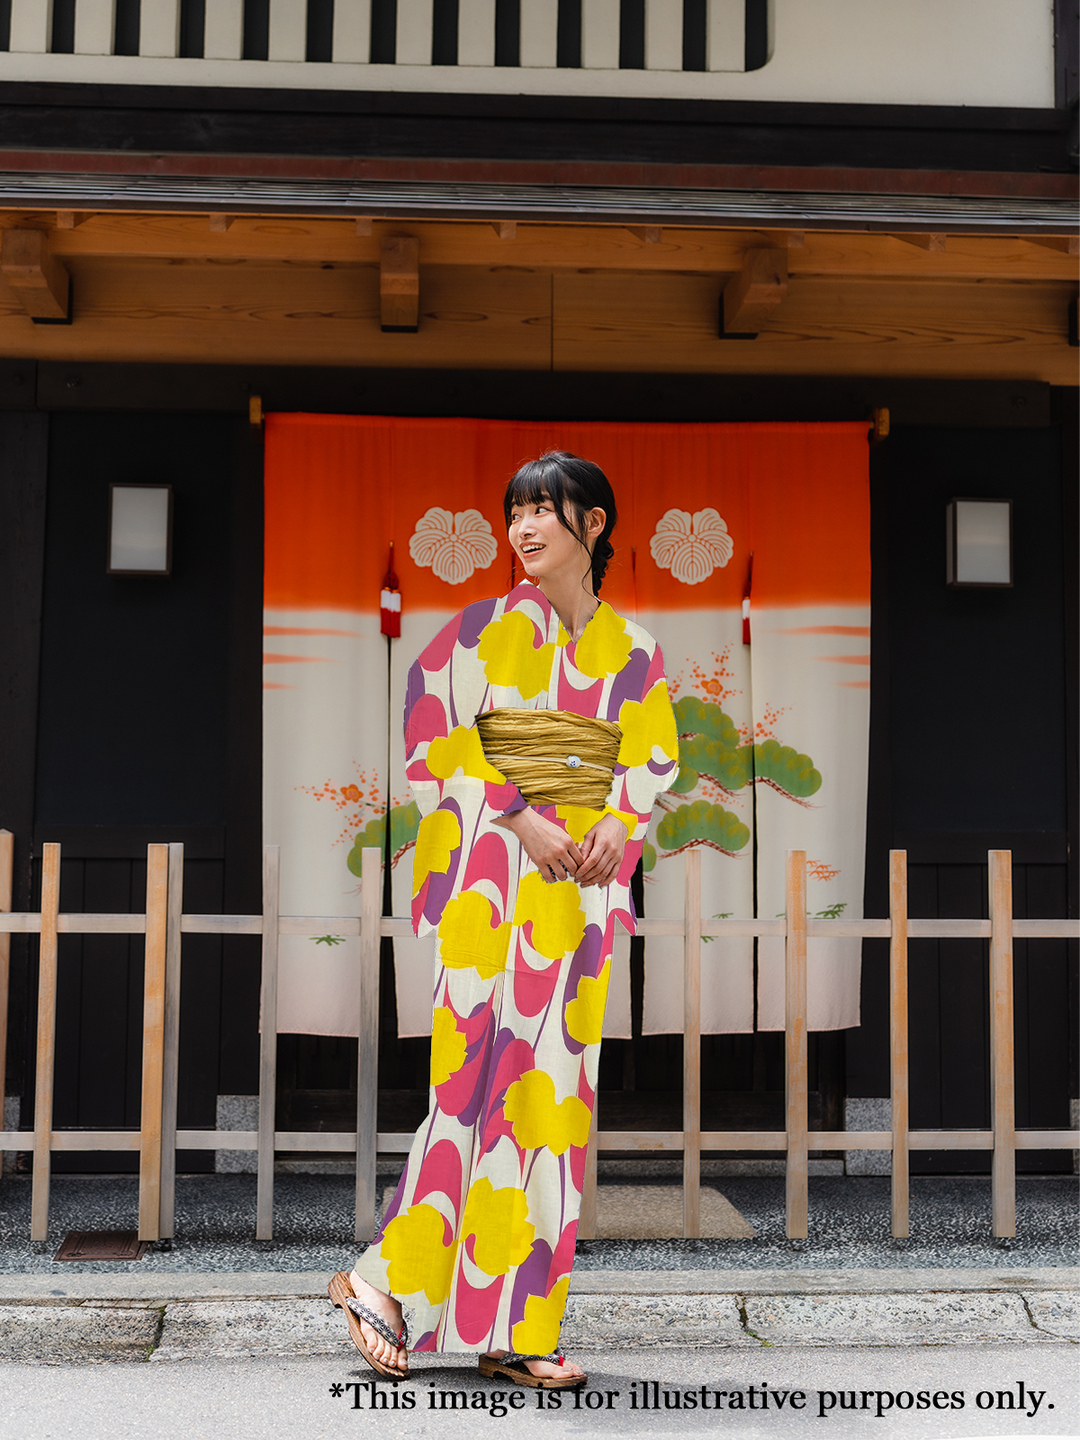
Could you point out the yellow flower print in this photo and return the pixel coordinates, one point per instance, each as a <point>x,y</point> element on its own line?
<point>467,937</point>
<point>499,1220</point>
<point>580,819</point>
<point>558,921</point>
<point>510,657</point>
<point>448,1046</point>
<point>647,725</point>
<point>418,1255</point>
<point>461,750</point>
<point>538,1122</point>
<point>538,1333</point>
<point>604,647</point>
<point>438,837</point>
<point>585,1014</point>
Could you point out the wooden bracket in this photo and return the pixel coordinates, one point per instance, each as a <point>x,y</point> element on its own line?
<point>505,229</point>
<point>1065,244</point>
<point>72,219</point>
<point>879,424</point>
<point>220,223</point>
<point>647,234</point>
<point>796,240</point>
<point>255,411</point>
<point>751,296</point>
<point>399,284</point>
<point>924,242</point>
<point>38,279</point>
<point>365,225</point>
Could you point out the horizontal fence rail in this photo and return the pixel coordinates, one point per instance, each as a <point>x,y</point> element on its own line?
<point>164,924</point>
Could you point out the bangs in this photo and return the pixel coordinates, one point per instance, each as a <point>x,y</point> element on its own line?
<point>538,480</point>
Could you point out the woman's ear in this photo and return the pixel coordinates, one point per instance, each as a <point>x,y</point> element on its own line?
<point>595,521</point>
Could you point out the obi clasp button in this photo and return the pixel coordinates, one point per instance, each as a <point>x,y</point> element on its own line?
<point>574,761</point>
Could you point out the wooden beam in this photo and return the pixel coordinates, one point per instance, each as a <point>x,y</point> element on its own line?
<point>39,280</point>
<point>1002,1040</point>
<point>1064,244</point>
<point>751,296</point>
<point>935,242</point>
<point>795,1072</point>
<point>399,284</point>
<point>153,1056</point>
<point>692,1047</point>
<point>556,247</point>
<point>268,1016</point>
<point>367,1045</point>
<point>7,871</point>
<point>898,1041</point>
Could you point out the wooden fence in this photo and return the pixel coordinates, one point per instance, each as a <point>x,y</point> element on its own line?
<point>164,924</point>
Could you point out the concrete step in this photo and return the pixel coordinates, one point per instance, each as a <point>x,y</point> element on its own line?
<point>94,1318</point>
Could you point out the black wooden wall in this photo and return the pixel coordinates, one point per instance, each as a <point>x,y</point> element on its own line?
<point>147,728</point>
<point>972,734</point>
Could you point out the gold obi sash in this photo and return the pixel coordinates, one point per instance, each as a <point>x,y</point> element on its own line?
<point>554,757</point>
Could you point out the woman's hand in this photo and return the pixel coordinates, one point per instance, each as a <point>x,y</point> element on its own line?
<point>549,848</point>
<point>602,850</point>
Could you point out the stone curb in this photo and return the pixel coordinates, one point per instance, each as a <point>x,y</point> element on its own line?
<point>68,1285</point>
<point>92,1330</point>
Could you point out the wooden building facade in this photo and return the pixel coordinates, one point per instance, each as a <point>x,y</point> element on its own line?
<point>669,210</point>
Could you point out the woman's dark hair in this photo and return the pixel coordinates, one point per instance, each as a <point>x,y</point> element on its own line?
<point>569,482</point>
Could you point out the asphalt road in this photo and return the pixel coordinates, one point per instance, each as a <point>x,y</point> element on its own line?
<point>312,1398</point>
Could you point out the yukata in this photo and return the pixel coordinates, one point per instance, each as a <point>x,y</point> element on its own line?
<point>478,1243</point>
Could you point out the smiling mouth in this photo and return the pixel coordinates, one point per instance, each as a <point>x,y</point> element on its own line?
<point>531,549</point>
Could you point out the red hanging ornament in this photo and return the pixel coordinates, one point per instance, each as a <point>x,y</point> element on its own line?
<point>746,601</point>
<point>390,601</point>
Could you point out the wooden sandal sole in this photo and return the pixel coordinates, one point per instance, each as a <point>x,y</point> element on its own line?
<point>499,1370</point>
<point>340,1291</point>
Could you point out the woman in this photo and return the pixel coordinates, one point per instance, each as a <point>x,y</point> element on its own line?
<point>538,734</point>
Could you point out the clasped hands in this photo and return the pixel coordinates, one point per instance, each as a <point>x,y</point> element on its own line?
<point>595,861</point>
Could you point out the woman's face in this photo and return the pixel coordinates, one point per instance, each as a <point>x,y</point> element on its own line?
<point>544,545</point>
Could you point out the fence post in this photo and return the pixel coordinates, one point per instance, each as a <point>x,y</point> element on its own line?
<point>586,1229</point>
<point>1002,1098</point>
<point>898,1039</point>
<point>692,1048</point>
<point>7,869</point>
<point>157,901</point>
<point>795,1045</point>
<point>170,1073</point>
<point>367,1049</point>
<point>46,1044</point>
<point>264,1199</point>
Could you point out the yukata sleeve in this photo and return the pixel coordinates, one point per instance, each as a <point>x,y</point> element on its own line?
<point>457,792</point>
<point>648,753</point>
<point>443,752</point>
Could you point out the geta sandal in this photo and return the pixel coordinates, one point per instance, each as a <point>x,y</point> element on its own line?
<point>512,1367</point>
<point>344,1297</point>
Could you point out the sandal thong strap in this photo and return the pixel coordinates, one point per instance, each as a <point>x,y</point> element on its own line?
<point>513,1356</point>
<point>378,1324</point>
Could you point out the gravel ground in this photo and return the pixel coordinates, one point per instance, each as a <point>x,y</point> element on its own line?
<point>849,1226</point>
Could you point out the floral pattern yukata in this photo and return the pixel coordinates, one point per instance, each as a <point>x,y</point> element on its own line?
<point>479,1240</point>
